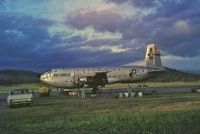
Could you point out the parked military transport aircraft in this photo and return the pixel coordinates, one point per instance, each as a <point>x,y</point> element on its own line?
<point>94,77</point>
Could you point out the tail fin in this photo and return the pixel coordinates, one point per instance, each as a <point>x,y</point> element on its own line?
<point>153,56</point>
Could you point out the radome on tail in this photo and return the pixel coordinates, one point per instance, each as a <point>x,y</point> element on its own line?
<point>100,76</point>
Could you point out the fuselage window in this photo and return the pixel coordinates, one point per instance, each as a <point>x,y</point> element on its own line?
<point>68,74</point>
<point>55,75</point>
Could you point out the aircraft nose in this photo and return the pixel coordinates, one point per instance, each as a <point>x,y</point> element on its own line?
<point>42,78</point>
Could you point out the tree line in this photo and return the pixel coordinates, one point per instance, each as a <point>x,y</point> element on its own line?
<point>18,77</point>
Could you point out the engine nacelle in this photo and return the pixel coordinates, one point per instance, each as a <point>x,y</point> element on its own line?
<point>112,80</point>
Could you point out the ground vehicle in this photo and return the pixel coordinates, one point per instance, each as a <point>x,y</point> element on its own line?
<point>19,96</point>
<point>44,91</point>
<point>145,89</point>
<point>195,90</point>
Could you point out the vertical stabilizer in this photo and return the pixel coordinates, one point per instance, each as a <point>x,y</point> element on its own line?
<point>153,56</point>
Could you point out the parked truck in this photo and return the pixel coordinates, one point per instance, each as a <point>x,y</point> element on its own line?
<point>19,97</point>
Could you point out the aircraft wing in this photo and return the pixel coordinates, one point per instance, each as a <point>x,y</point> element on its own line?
<point>97,79</point>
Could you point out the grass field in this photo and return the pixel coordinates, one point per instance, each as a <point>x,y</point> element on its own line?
<point>6,88</point>
<point>160,114</point>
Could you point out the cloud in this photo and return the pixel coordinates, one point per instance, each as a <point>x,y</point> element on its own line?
<point>99,20</point>
<point>113,49</point>
<point>2,1</point>
<point>182,27</point>
<point>102,32</point>
<point>30,45</point>
<point>135,3</point>
<point>25,42</point>
<point>169,29</point>
<point>21,33</point>
<point>107,21</point>
<point>174,7</point>
<point>92,34</point>
<point>186,63</point>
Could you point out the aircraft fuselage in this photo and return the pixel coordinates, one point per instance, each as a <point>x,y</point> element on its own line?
<point>66,78</point>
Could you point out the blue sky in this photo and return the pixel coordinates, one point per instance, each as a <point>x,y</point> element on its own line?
<point>44,34</point>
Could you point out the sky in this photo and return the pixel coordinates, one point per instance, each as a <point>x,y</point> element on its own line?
<point>43,34</point>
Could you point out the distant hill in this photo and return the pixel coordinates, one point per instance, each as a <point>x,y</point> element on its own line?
<point>192,71</point>
<point>175,75</point>
<point>18,77</point>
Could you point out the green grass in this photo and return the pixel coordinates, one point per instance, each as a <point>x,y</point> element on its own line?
<point>167,113</point>
<point>6,88</point>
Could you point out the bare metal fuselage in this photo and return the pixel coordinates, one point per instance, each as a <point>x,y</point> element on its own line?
<point>66,78</point>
